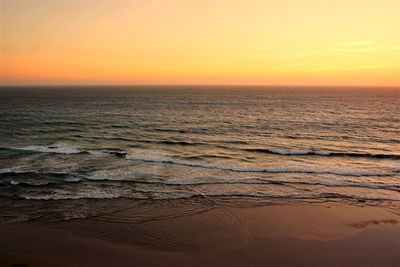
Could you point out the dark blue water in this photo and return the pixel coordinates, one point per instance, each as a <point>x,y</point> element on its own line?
<point>61,144</point>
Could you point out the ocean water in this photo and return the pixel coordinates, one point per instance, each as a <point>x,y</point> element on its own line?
<point>61,145</point>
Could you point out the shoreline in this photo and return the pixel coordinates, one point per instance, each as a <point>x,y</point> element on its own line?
<point>285,234</point>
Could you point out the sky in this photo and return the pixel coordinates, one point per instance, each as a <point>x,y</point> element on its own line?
<point>258,42</point>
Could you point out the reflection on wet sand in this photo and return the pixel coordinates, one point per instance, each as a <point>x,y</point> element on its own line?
<point>181,233</point>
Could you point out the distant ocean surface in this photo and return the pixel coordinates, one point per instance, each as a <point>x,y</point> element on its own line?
<point>256,144</point>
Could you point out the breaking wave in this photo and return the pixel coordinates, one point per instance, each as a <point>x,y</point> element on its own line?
<point>325,154</point>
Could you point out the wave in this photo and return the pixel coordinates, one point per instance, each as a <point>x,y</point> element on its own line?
<point>248,181</point>
<point>29,184</point>
<point>35,179</point>
<point>147,194</point>
<point>67,149</point>
<point>154,158</point>
<point>322,153</point>
<point>117,153</point>
<point>68,178</point>
<point>58,196</point>
<point>169,142</point>
<point>12,172</point>
<point>59,149</point>
<point>170,130</point>
<point>181,143</point>
<point>40,183</point>
<point>225,167</point>
<point>199,157</point>
<point>320,196</point>
<point>113,187</point>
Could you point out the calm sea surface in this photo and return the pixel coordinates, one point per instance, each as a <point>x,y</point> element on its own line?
<point>59,145</point>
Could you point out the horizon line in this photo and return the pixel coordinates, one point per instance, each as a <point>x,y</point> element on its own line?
<point>197,85</point>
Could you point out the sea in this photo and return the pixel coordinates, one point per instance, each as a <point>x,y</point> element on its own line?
<point>64,148</point>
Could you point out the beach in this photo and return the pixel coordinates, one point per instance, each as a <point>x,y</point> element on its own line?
<point>284,234</point>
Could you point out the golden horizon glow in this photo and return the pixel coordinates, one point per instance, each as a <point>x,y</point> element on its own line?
<point>288,42</point>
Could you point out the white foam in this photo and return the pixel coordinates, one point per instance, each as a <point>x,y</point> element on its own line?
<point>90,192</point>
<point>57,196</point>
<point>8,170</point>
<point>59,148</point>
<point>63,148</point>
<point>13,182</point>
<point>72,179</point>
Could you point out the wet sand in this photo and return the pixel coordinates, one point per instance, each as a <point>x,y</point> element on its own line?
<point>294,234</point>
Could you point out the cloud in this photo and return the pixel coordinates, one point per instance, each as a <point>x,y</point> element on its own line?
<point>348,67</point>
<point>356,43</point>
<point>283,56</point>
<point>354,50</point>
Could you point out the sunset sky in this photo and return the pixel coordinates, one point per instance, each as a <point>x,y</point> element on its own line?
<point>263,42</point>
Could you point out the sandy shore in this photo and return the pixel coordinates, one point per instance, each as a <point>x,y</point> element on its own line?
<point>295,234</point>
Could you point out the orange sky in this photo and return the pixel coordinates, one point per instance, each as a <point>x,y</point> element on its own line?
<point>265,42</point>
